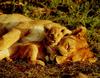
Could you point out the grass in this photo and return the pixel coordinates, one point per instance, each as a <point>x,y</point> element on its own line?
<point>70,13</point>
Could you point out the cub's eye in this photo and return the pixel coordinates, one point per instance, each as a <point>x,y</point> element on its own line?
<point>51,35</point>
<point>46,30</point>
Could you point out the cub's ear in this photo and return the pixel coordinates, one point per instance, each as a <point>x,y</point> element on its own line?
<point>52,25</point>
<point>80,31</point>
<point>47,27</point>
<point>66,31</point>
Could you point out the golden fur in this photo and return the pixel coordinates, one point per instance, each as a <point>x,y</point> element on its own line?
<point>30,33</point>
<point>75,48</point>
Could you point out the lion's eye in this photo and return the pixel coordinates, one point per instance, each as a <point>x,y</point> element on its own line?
<point>67,46</point>
<point>62,31</point>
<point>66,35</point>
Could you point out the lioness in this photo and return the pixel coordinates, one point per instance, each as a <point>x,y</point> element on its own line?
<point>75,48</point>
<point>30,31</point>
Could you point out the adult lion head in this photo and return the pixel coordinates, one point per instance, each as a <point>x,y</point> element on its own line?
<point>75,48</point>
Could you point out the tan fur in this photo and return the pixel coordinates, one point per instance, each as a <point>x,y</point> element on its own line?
<point>26,50</point>
<point>31,33</point>
<point>29,51</point>
<point>75,48</point>
<point>55,32</point>
<point>31,30</point>
<point>4,54</point>
<point>10,38</point>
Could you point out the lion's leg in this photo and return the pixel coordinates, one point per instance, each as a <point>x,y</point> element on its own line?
<point>33,53</point>
<point>9,39</point>
<point>9,59</point>
<point>5,54</point>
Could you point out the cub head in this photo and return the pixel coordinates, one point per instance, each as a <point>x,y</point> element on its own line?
<point>54,33</point>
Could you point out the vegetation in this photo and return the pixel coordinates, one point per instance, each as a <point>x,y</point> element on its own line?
<point>70,13</point>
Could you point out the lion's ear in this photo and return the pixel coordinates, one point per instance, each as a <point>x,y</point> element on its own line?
<point>81,31</point>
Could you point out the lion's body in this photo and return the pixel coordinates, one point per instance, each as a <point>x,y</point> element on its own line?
<point>31,31</point>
